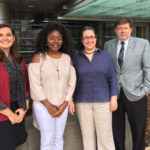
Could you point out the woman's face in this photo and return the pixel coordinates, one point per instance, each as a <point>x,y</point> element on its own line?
<point>6,38</point>
<point>89,39</point>
<point>54,41</point>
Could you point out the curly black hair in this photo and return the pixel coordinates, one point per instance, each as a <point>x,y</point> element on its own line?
<point>41,41</point>
<point>14,51</point>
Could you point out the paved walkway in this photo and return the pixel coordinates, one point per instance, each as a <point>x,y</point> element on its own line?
<point>72,136</point>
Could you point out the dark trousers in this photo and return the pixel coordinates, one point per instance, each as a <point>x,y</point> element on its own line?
<point>137,116</point>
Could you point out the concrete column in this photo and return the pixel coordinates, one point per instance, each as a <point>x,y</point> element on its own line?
<point>4,13</point>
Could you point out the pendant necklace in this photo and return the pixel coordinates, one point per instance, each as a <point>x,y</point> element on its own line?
<point>57,68</point>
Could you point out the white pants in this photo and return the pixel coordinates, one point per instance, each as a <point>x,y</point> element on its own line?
<point>51,129</point>
<point>96,121</point>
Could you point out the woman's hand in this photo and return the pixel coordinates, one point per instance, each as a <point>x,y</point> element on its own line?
<point>50,108</point>
<point>13,117</point>
<point>27,103</point>
<point>61,109</point>
<point>71,108</point>
<point>147,94</point>
<point>113,103</point>
<point>53,110</point>
<point>21,113</point>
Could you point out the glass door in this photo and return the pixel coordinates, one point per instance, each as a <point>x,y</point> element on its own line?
<point>141,31</point>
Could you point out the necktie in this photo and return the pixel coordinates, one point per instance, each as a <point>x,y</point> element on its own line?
<point>121,54</point>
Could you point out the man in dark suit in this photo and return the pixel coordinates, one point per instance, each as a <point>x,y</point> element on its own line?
<point>131,58</point>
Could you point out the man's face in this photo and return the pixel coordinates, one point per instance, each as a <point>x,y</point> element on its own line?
<point>123,31</point>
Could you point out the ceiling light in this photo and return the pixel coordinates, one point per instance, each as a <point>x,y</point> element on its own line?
<point>31,6</point>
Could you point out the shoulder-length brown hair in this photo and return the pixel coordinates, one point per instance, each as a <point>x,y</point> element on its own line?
<point>14,52</point>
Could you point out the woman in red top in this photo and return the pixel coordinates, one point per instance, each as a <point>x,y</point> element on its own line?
<point>13,91</point>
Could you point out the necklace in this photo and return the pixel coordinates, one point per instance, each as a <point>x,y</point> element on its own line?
<point>57,68</point>
<point>89,52</point>
<point>56,64</point>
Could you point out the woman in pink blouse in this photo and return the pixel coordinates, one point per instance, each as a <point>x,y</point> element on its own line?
<point>52,80</point>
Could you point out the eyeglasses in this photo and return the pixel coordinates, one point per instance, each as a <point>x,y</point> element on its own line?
<point>88,38</point>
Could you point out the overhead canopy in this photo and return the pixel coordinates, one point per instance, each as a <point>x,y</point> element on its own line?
<point>110,8</point>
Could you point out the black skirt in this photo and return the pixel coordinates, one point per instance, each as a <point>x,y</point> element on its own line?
<point>12,135</point>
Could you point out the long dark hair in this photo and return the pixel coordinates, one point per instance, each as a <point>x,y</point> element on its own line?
<point>41,41</point>
<point>14,52</point>
<point>89,28</point>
